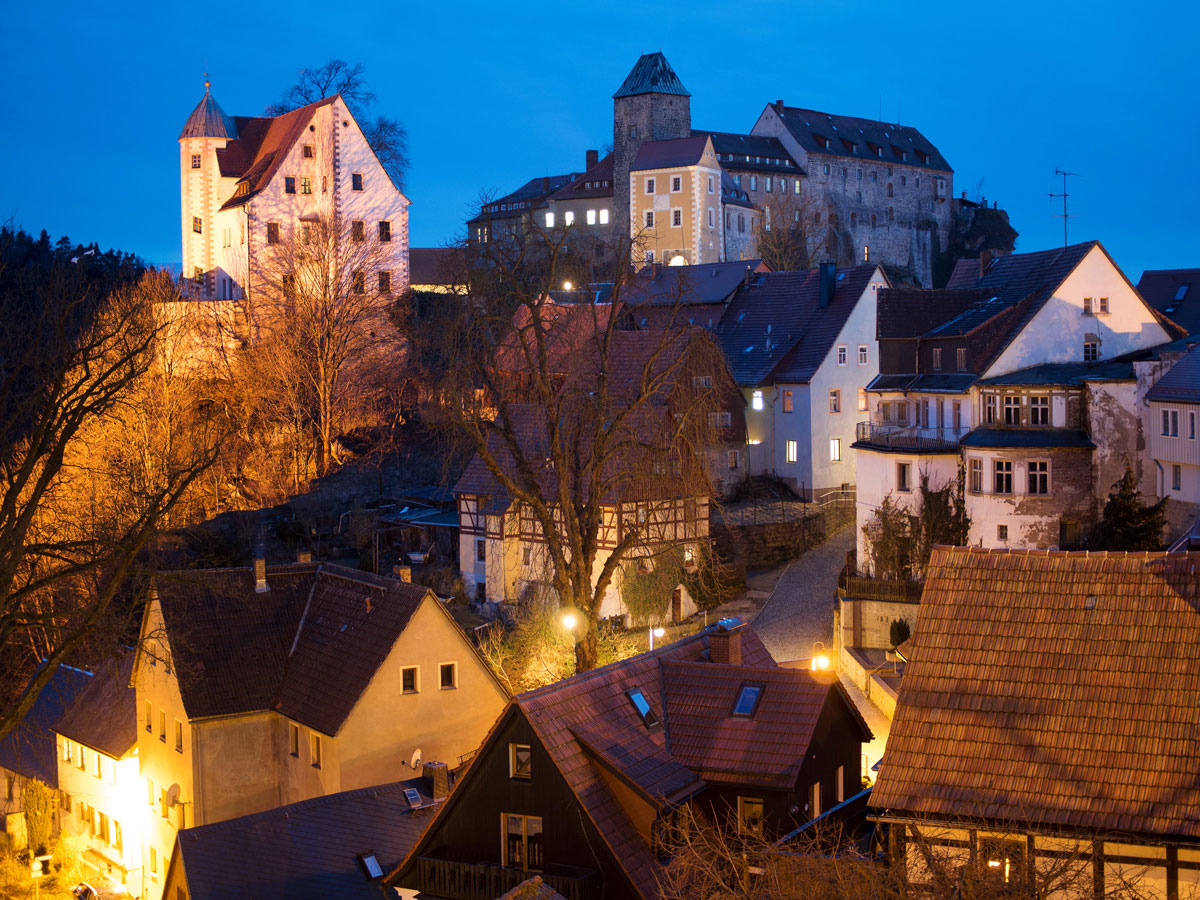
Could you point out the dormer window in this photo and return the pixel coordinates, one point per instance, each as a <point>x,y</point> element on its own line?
<point>638,699</point>
<point>747,699</point>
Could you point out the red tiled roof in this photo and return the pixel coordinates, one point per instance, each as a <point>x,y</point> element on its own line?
<point>308,647</point>
<point>766,748</point>
<point>670,154</point>
<point>1053,689</point>
<point>599,177</point>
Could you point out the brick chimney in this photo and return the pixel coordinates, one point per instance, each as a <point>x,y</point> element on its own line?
<point>545,184</point>
<point>260,570</point>
<point>402,573</point>
<point>985,261</point>
<point>592,157</point>
<point>438,776</point>
<point>746,276</point>
<point>779,107</point>
<point>725,644</point>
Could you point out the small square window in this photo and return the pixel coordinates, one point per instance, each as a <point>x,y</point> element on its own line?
<point>385,231</point>
<point>195,160</point>
<point>306,185</point>
<point>448,676</point>
<point>307,151</point>
<point>356,181</point>
<point>750,815</point>
<point>747,699</point>
<point>289,184</point>
<point>1002,532</point>
<point>409,683</point>
<point>520,762</point>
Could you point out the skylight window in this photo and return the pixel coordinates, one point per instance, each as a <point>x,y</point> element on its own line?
<point>413,798</point>
<point>748,697</point>
<point>649,717</point>
<point>370,865</point>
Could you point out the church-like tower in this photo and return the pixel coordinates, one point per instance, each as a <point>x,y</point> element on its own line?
<point>651,105</point>
<point>206,130</point>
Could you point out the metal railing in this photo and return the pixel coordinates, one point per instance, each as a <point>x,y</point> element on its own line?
<point>908,437</point>
<point>455,880</point>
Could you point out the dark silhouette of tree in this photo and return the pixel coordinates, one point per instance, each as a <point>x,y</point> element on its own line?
<point>1128,523</point>
<point>387,136</point>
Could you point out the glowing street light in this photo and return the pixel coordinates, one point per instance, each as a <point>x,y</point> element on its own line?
<point>569,621</point>
<point>820,659</point>
<point>656,633</point>
<point>568,286</point>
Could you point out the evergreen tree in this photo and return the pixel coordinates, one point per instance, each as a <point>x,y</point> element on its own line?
<point>1128,523</point>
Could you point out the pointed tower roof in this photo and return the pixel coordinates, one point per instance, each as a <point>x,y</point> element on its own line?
<point>652,74</point>
<point>208,120</point>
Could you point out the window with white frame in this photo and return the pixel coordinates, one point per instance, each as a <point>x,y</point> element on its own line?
<point>1039,477</point>
<point>604,217</point>
<point>711,187</point>
<point>649,185</point>
<point>862,354</point>
<point>1091,351</point>
<point>649,218</point>
<point>989,409</point>
<point>591,217</point>
<point>976,475</point>
<point>842,355</point>
<point>1012,410</point>
<point>676,184</point>
<point>1170,423</point>
<point>1039,410</point>
<point>903,477</point>
<point>676,218</point>
<point>791,451</point>
<point>549,220</point>
<point>835,449</point>
<point>569,217</point>
<point>756,400</point>
<point>835,401</point>
<point>1002,470</point>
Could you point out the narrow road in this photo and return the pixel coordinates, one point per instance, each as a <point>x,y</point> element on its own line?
<point>800,609</point>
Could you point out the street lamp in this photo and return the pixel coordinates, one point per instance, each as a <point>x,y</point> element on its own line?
<point>820,660</point>
<point>569,621</point>
<point>656,633</point>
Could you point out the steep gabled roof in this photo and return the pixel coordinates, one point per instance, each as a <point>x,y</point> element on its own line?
<point>268,141</point>
<point>1054,689</point>
<point>595,182</point>
<point>913,312</point>
<point>669,154</point>
<point>104,715</point>
<point>861,139</point>
<point>307,647</point>
<point>1175,293</point>
<point>1182,381</point>
<point>775,329</point>
<point>30,749</point>
<point>651,74</point>
<point>659,285</point>
<point>306,850</point>
<point>758,152</point>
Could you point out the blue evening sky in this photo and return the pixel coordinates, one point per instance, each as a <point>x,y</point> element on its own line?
<point>496,93</point>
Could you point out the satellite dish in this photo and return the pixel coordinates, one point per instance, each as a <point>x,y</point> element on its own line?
<point>416,759</point>
<point>172,795</point>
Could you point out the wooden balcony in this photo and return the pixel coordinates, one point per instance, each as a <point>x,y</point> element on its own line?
<point>455,880</point>
<point>908,437</point>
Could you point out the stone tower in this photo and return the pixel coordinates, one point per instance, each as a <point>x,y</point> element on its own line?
<point>651,105</point>
<point>206,130</point>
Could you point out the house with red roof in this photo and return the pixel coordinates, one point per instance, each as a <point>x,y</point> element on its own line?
<point>581,782</point>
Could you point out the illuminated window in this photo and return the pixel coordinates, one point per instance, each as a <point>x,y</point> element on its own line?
<point>750,815</point>
<point>814,800</point>
<point>835,449</point>
<point>591,217</point>
<point>756,400</point>
<point>549,220</point>
<point>862,399</point>
<point>409,682</point>
<point>787,401</point>
<point>520,762</point>
<point>289,184</point>
<point>306,185</point>
<point>356,181</point>
<point>604,217</point>
<point>791,451</point>
<point>385,231</point>
<point>569,218</point>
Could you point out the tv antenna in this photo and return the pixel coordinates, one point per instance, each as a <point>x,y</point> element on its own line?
<point>1065,216</point>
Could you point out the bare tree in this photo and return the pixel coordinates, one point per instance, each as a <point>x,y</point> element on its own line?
<point>72,524</point>
<point>596,437</point>
<point>794,232</point>
<point>326,346</point>
<point>387,136</point>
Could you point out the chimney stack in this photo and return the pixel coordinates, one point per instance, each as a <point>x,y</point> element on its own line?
<point>779,107</point>
<point>828,282</point>
<point>438,776</point>
<point>746,276</point>
<point>260,570</point>
<point>592,157</point>
<point>546,184</point>
<point>402,573</point>
<point>985,261</point>
<point>725,644</point>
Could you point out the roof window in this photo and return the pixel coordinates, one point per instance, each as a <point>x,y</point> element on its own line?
<point>747,700</point>
<point>370,864</point>
<point>637,698</point>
